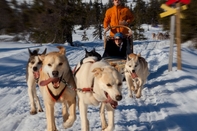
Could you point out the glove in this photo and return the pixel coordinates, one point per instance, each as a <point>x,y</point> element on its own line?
<point>106,29</point>
<point>123,22</point>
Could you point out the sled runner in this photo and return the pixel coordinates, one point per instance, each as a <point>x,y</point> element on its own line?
<point>118,62</point>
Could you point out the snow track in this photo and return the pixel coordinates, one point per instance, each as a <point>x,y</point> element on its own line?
<point>167,102</point>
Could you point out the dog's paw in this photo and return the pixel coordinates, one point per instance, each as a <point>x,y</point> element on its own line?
<point>40,110</point>
<point>33,112</point>
<point>135,91</point>
<point>138,96</point>
<point>133,88</point>
<point>109,128</point>
<point>104,126</point>
<point>68,123</point>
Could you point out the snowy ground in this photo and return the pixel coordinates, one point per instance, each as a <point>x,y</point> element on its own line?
<point>169,101</point>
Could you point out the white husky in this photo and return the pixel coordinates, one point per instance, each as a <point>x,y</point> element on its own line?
<point>32,76</point>
<point>136,73</point>
<point>98,82</point>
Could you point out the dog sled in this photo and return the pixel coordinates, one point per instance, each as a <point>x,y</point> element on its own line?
<point>118,62</point>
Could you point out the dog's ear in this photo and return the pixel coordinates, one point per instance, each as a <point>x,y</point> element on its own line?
<point>128,58</point>
<point>62,50</point>
<point>41,57</point>
<point>93,50</point>
<point>30,53</point>
<point>44,52</point>
<point>86,50</point>
<point>34,52</point>
<point>97,72</point>
<point>139,55</point>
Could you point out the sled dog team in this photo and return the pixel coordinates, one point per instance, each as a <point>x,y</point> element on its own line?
<point>93,81</point>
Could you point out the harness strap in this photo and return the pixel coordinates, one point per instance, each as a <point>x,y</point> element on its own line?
<point>37,80</point>
<point>55,98</point>
<point>88,89</point>
<point>76,70</point>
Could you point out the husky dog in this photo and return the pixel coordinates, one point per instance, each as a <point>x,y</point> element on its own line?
<point>32,76</point>
<point>87,54</point>
<point>57,84</point>
<point>98,82</point>
<point>160,36</point>
<point>92,53</point>
<point>154,36</point>
<point>136,73</point>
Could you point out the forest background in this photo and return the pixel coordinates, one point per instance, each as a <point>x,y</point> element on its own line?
<point>53,21</point>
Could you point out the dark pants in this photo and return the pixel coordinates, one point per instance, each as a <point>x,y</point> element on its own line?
<point>112,50</point>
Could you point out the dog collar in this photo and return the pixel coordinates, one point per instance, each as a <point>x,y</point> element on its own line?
<point>87,89</point>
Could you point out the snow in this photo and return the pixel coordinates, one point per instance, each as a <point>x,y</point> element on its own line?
<point>168,101</point>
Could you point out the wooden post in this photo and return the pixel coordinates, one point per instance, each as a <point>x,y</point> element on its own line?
<point>178,35</point>
<point>172,23</point>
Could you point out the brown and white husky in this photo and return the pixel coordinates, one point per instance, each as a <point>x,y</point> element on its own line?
<point>32,76</point>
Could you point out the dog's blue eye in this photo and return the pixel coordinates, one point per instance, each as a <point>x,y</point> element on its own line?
<point>40,62</point>
<point>60,64</point>
<point>32,62</point>
<point>136,65</point>
<point>49,64</point>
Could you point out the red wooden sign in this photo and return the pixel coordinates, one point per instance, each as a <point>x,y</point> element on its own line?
<point>186,2</point>
<point>170,2</point>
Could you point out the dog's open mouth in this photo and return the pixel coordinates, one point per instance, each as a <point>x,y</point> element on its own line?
<point>36,75</point>
<point>55,81</point>
<point>113,103</point>
<point>133,75</point>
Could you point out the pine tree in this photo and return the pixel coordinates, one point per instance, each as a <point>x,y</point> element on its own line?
<point>55,20</point>
<point>153,11</point>
<point>139,12</point>
<point>5,15</point>
<point>84,36</point>
<point>97,11</point>
<point>189,23</point>
<point>10,21</point>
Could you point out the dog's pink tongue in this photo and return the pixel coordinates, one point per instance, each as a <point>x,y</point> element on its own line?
<point>134,75</point>
<point>46,82</point>
<point>113,103</point>
<point>36,74</point>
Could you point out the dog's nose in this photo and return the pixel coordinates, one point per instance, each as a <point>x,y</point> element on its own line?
<point>55,73</point>
<point>35,68</point>
<point>133,71</point>
<point>119,97</point>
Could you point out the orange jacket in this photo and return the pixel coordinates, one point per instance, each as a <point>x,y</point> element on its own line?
<point>115,14</point>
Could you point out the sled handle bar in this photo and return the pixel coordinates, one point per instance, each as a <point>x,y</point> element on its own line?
<point>118,26</point>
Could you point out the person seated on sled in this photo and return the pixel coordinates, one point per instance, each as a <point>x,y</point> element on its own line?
<point>118,14</point>
<point>117,48</point>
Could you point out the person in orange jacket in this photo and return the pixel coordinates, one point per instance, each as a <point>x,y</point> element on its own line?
<point>117,15</point>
